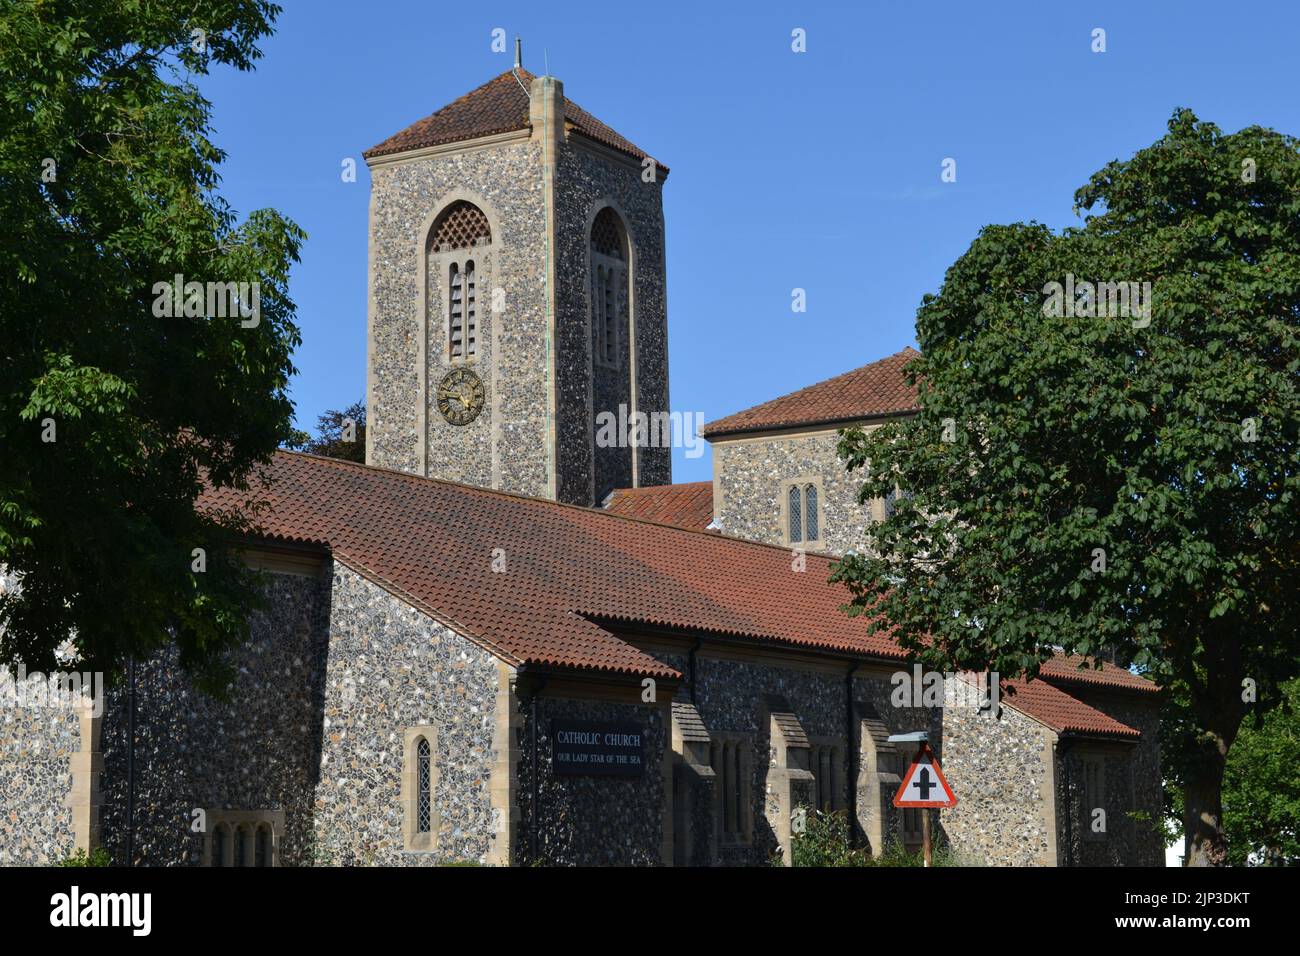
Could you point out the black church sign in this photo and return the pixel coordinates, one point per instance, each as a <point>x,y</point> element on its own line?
<point>597,749</point>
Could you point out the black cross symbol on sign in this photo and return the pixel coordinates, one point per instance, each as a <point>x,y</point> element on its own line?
<point>924,783</point>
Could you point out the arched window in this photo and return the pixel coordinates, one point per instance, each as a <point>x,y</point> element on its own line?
<point>803,513</point>
<point>458,238</point>
<point>262,846</point>
<point>738,791</point>
<point>729,787</point>
<point>424,796</point>
<point>420,815</point>
<point>810,513</point>
<point>609,259</point>
<point>795,507</point>
<point>220,842</point>
<point>243,837</point>
<point>727,757</point>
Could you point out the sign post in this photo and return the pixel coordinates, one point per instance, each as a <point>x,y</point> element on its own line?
<point>924,788</point>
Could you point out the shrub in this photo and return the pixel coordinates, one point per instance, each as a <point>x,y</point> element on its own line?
<point>97,857</point>
<point>825,842</point>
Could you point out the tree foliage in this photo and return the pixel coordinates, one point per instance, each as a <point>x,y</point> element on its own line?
<point>339,434</point>
<point>1261,788</point>
<point>112,417</point>
<point>1107,483</point>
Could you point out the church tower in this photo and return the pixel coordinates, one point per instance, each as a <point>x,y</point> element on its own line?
<point>517,297</point>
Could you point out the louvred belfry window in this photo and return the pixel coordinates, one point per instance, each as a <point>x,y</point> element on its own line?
<point>456,316</point>
<point>458,240</point>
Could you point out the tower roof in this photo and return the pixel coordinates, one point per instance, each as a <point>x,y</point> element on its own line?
<point>498,106</point>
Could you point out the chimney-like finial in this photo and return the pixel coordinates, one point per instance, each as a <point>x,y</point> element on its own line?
<point>519,53</point>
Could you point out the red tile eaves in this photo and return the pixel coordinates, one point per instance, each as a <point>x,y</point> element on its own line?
<point>1076,669</point>
<point>870,391</point>
<point>1059,711</point>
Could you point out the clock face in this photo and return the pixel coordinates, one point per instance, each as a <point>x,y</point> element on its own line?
<point>460,396</point>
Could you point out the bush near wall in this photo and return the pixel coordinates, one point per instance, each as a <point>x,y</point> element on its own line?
<point>825,842</point>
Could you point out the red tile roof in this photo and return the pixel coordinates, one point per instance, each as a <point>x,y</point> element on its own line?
<point>875,389</point>
<point>1061,712</point>
<point>686,505</point>
<point>498,106</point>
<point>1076,669</point>
<point>431,543</point>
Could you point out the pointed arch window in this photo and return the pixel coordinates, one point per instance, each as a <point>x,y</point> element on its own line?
<point>609,287</point>
<point>419,785</point>
<point>810,513</point>
<point>424,796</point>
<point>803,516</point>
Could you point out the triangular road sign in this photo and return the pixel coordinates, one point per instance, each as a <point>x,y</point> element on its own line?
<point>924,784</point>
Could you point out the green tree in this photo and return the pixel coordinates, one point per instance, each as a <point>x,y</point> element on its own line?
<point>1261,788</point>
<point>112,414</point>
<point>1110,483</point>
<point>340,434</point>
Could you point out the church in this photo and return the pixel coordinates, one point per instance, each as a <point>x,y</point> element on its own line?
<point>504,641</point>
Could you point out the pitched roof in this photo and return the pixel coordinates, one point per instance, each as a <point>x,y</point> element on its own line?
<point>686,505</point>
<point>569,569</point>
<point>1058,710</point>
<point>875,389</point>
<point>1077,669</point>
<point>432,543</point>
<point>498,106</point>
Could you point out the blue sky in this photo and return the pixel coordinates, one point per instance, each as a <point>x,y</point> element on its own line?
<point>818,170</point>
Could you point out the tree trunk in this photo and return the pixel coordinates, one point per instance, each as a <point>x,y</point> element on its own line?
<point>1218,709</point>
<point>1207,845</point>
